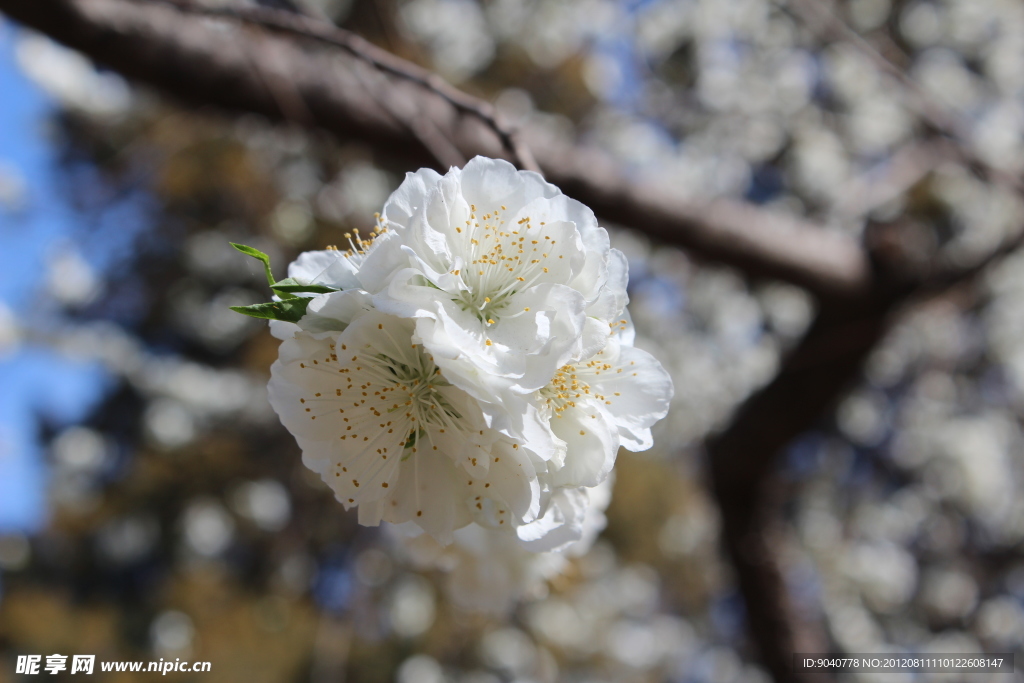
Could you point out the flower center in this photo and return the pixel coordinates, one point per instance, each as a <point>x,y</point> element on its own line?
<point>500,262</point>
<point>569,385</point>
<point>563,390</point>
<point>411,387</point>
<point>359,247</point>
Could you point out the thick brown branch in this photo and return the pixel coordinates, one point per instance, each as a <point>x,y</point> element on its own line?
<point>216,62</point>
<point>744,459</point>
<point>758,242</point>
<point>743,463</point>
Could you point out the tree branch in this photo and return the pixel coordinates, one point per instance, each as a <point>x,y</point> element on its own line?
<point>743,463</point>
<point>743,460</point>
<point>321,31</point>
<point>212,61</point>
<point>758,242</point>
<point>891,179</point>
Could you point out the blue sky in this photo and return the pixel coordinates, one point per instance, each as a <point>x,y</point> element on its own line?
<point>34,380</point>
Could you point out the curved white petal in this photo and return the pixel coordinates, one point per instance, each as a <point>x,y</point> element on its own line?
<point>279,329</point>
<point>431,493</point>
<point>328,267</point>
<point>592,442</point>
<point>639,391</point>
<point>612,297</point>
<point>623,328</point>
<point>489,184</point>
<point>333,312</point>
<point>594,338</point>
<point>410,197</point>
<point>560,525</point>
<point>512,484</point>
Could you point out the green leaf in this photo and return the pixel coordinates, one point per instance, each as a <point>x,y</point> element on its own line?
<point>291,286</point>
<point>289,310</point>
<point>259,256</point>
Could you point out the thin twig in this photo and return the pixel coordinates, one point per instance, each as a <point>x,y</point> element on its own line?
<point>425,130</point>
<point>366,51</point>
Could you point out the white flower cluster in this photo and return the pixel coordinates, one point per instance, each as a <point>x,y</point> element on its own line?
<point>471,362</point>
<point>489,572</point>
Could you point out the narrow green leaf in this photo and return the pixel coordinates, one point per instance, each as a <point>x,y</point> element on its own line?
<point>289,310</point>
<point>291,286</point>
<point>259,256</point>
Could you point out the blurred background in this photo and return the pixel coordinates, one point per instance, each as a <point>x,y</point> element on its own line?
<point>151,505</point>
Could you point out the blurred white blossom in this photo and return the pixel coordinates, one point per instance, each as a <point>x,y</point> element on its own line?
<point>70,77</point>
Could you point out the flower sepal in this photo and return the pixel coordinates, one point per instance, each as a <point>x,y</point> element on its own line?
<point>290,308</point>
<point>290,285</point>
<point>286,310</point>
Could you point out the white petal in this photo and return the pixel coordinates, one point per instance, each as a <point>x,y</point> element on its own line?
<point>546,336</point>
<point>513,484</point>
<point>410,197</point>
<point>517,417</point>
<point>431,493</point>
<point>382,262</point>
<point>562,208</point>
<point>557,244</point>
<point>430,233</point>
<point>357,477</point>
<point>640,395</point>
<point>490,184</point>
<point>594,520</point>
<point>624,330</point>
<point>591,445</point>
<point>612,298</point>
<point>333,312</point>
<point>329,267</point>
<point>591,278</point>
<point>371,513</point>
<point>560,525</point>
<point>595,337</point>
<point>279,329</point>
